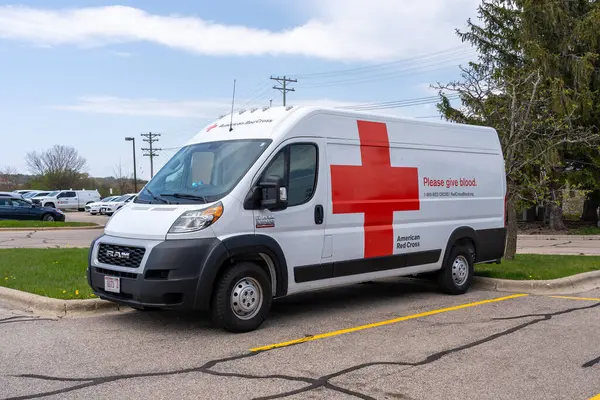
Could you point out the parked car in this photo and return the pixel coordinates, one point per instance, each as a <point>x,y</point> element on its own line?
<point>69,199</point>
<point>94,208</point>
<point>20,209</point>
<point>11,195</point>
<point>112,206</point>
<point>35,193</point>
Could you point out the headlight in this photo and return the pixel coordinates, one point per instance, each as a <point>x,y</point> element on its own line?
<point>195,220</point>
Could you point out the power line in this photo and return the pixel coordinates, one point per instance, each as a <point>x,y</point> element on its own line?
<point>453,51</point>
<point>397,103</point>
<point>283,89</point>
<point>151,152</point>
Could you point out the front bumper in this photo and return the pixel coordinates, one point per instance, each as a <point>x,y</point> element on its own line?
<point>174,274</point>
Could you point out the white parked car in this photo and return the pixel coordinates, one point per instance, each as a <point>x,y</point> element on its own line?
<point>94,208</point>
<point>112,206</point>
<point>69,199</point>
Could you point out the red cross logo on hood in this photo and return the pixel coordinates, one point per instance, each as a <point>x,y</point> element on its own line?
<point>375,188</point>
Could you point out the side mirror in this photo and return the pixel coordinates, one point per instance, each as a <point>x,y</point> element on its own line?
<point>273,194</point>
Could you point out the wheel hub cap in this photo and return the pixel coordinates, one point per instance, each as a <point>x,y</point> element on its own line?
<point>460,270</point>
<point>246,298</point>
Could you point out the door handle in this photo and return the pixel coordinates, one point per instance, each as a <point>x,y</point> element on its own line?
<point>318,214</point>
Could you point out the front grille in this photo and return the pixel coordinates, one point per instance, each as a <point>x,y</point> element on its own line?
<point>122,256</point>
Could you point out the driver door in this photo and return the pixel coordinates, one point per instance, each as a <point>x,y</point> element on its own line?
<point>300,228</point>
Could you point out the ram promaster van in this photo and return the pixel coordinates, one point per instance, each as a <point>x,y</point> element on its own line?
<point>278,201</point>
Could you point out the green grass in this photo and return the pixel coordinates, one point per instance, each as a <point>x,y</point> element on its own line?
<point>586,230</point>
<point>40,224</point>
<point>58,273</point>
<point>539,267</point>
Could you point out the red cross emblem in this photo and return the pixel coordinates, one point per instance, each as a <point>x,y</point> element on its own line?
<point>375,188</point>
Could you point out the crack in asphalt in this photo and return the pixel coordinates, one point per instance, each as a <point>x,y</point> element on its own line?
<point>591,363</point>
<point>23,318</point>
<point>313,383</point>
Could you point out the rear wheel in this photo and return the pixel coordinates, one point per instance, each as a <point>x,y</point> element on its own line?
<point>457,275</point>
<point>48,217</point>
<point>242,298</point>
<point>50,205</point>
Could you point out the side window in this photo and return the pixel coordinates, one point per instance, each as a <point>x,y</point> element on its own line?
<point>277,166</point>
<point>303,173</point>
<point>71,194</point>
<point>61,195</point>
<point>300,163</point>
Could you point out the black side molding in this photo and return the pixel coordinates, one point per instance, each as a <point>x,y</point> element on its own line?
<point>309,273</point>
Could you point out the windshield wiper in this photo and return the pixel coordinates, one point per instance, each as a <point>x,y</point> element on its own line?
<point>156,197</point>
<point>185,196</point>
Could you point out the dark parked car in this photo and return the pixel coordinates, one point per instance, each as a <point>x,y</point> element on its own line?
<point>13,208</point>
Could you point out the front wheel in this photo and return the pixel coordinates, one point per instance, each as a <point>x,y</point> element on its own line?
<point>457,275</point>
<point>242,298</point>
<point>48,218</point>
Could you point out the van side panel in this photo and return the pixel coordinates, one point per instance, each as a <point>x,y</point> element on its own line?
<point>399,190</point>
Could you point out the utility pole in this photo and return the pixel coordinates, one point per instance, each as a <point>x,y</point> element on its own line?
<point>283,88</point>
<point>132,139</point>
<point>151,152</point>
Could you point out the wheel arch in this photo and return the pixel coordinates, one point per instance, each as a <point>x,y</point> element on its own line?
<point>463,235</point>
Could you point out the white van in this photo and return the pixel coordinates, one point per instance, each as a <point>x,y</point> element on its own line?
<point>286,200</point>
<point>68,199</point>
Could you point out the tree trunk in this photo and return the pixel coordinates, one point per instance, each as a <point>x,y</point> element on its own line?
<point>590,211</point>
<point>555,212</point>
<point>511,231</point>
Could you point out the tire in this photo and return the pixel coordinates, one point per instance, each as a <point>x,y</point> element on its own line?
<point>251,284</point>
<point>48,217</point>
<point>51,205</point>
<point>457,275</point>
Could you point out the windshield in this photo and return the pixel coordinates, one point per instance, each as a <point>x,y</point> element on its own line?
<point>42,194</point>
<point>53,194</point>
<point>203,172</point>
<point>118,198</point>
<point>29,194</point>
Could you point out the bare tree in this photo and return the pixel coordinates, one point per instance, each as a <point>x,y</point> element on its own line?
<point>60,166</point>
<point>518,106</point>
<point>124,182</point>
<point>7,178</point>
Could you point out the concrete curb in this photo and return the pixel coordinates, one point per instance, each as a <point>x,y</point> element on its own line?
<point>559,237</point>
<point>569,285</point>
<point>41,304</point>
<point>58,228</point>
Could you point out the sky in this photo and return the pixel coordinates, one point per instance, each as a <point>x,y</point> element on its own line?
<point>89,73</point>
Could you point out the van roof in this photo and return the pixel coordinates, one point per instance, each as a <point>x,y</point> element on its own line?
<point>261,123</point>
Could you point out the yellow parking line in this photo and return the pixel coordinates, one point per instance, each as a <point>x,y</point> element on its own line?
<point>576,298</point>
<point>382,323</point>
<point>596,397</point>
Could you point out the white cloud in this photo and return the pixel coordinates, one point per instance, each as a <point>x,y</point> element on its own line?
<point>337,29</point>
<point>177,109</point>
<point>123,54</point>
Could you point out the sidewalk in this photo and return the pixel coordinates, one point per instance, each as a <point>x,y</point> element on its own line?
<point>559,244</point>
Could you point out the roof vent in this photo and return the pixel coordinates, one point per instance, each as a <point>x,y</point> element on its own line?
<point>241,112</point>
<point>288,108</point>
<point>254,109</point>
<point>265,108</point>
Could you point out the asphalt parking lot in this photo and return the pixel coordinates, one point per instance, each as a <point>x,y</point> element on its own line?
<point>384,340</point>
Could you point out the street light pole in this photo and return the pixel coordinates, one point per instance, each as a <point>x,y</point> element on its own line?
<point>132,139</point>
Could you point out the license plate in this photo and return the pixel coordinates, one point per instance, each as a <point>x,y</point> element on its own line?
<point>112,284</point>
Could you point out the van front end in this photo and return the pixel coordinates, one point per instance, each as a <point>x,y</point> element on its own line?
<point>142,273</point>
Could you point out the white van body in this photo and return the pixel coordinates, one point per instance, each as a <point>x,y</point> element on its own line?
<point>69,199</point>
<point>345,197</point>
